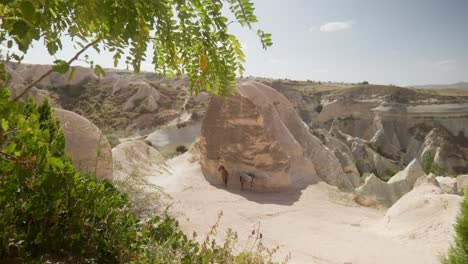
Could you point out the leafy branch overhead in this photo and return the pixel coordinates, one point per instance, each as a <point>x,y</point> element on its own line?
<point>187,37</point>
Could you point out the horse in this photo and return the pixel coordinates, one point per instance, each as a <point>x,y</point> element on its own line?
<point>224,174</point>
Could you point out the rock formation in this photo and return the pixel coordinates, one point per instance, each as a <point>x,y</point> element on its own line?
<point>425,213</point>
<point>120,101</point>
<point>448,184</point>
<point>86,145</point>
<point>136,159</point>
<point>258,130</point>
<point>395,121</point>
<point>387,193</point>
<point>356,155</point>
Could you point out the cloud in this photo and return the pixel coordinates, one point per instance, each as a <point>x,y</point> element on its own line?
<point>445,62</point>
<point>336,26</point>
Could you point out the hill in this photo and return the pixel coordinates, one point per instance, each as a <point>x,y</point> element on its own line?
<point>459,85</point>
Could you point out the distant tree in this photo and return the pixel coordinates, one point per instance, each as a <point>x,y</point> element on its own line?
<point>187,37</point>
<point>365,83</point>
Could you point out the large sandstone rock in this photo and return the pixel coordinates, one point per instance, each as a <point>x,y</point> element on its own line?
<point>426,213</point>
<point>448,184</point>
<point>86,145</point>
<point>258,130</point>
<point>387,193</point>
<point>136,159</point>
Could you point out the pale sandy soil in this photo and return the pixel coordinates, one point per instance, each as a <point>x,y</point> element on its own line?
<point>316,225</point>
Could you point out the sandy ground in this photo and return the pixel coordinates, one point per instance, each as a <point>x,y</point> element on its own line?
<point>316,225</point>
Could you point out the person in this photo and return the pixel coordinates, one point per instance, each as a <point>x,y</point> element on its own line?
<point>224,174</point>
<point>246,177</point>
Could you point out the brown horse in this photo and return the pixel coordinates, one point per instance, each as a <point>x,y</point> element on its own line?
<point>224,174</point>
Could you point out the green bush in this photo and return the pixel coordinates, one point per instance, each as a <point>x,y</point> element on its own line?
<point>49,209</point>
<point>429,165</point>
<point>389,173</point>
<point>458,252</point>
<point>181,149</point>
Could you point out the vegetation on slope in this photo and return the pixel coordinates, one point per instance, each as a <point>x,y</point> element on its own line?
<point>458,252</point>
<point>51,210</point>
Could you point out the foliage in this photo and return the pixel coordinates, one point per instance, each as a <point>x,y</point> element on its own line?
<point>458,252</point>
<point>365,83</point>
<point>185,37</point>
<point>181,149</point>
<point>429,165</point>
<point>389,173</point>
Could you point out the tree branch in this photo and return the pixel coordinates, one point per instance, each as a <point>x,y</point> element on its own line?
<point>51,70</point>
<point>245,15</point>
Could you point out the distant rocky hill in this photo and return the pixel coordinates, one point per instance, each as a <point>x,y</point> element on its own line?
<point>459,85</point>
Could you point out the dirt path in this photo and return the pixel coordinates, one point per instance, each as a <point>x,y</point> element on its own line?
<point>317,225</point>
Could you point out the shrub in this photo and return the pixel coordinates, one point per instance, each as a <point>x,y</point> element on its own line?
<point>181,149</point>
<point>429,165</point>
<point>389,173</point>
<point>458,252</point>
<point>49,209</point>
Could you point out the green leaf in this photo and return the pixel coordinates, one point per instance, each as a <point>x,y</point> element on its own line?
<point>99,71</point>
<point>55,162</point>
<point>28,10</point>
<point>60,66</point>
<point>4,125</point>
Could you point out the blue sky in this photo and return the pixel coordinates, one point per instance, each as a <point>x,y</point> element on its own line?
<point>400,42</point>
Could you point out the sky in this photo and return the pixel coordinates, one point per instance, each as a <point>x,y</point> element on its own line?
<point>401,42</point>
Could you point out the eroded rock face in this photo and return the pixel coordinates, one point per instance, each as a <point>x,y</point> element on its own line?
<point>120,101</point>
<point>86,145</point>
<point>395,121</point>
<point>355,155</point>
<point>387,193</point>
<point>258,130</point>
<point>443,153</point>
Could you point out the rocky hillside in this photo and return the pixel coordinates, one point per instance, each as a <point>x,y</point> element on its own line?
<point>121,103</point>
<point>388,126</point>
<point>369,128</point>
